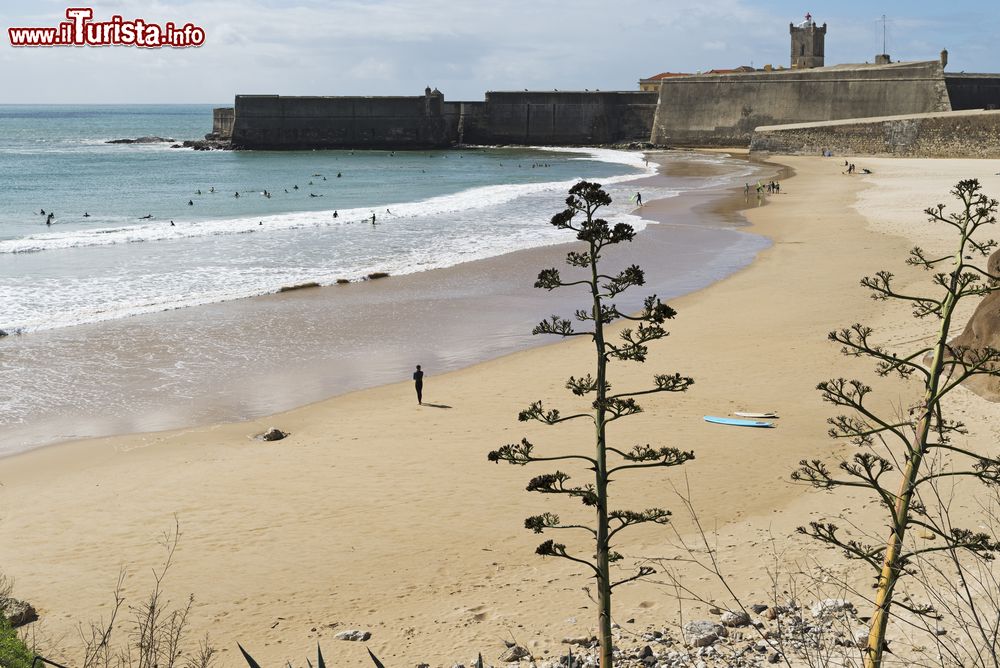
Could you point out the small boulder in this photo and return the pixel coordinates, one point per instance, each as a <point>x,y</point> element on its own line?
<point>515,653</point>
<point>19,613</point>
<point>704,632</point>
<point>273,434</point>
<point>582,641</point>
<point>733,619</point>
<point>758,608</point>
<point>354,635</point>
<point>831,606</point>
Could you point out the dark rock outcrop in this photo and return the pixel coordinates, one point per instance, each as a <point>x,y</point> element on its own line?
<point>273,434</point>
<point>141,140</point>
<point>19,612</point>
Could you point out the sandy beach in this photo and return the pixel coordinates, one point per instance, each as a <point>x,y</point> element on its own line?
<point>383,515</point>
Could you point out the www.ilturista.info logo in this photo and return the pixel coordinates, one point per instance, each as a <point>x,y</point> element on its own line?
<point>79,30</point>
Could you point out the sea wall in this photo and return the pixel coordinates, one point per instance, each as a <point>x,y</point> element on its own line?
<point>957,134</point>
<point>222,122</point>
<point>973,91</point>
<point>275,122</point>
<point>723,110</point>
<point>558,118</point>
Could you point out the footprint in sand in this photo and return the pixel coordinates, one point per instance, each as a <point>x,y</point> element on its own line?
<point>646,604</point>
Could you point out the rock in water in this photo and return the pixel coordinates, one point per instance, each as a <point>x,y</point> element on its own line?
<point>141,140</point>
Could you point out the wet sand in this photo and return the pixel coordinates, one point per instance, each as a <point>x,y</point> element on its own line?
<point>252,357</point>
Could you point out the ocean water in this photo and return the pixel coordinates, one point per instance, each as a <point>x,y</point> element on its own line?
<point>116,314</point>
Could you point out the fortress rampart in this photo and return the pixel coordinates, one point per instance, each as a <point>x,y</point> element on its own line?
<point>973,91</point>
<point>222,122</point>
<point>520,118</point>
<point>719,109</point>
<point>559,118</point>
<point>723,110</point>
<point>275,122</point>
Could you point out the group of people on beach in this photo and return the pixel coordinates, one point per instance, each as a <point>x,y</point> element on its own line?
<point>770,188</point>
<point>851,169</point>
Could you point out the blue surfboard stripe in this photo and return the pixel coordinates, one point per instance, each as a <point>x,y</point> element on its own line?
<point>736,422</point>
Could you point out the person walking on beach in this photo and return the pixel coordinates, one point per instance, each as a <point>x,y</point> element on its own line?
<point>418,383</point>
<point>638,199</point>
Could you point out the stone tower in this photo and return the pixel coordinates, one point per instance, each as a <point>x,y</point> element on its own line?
<point>807,43</point>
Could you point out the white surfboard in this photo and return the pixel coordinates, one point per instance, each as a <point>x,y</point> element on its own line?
<point>755,415</point>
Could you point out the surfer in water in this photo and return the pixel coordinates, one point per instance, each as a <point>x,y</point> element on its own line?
<point>86,215</point>
<point>146,217</point>
<point>638,199</point>
<point>50,218</point>
<point>335,214</point>
<point>373,219</point>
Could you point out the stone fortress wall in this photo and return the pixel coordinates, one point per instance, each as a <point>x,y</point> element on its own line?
<point>276,122</point>
<point>724,110</point>
<point>520,118</point>
<point>734,108</point>
<point>956,134</point>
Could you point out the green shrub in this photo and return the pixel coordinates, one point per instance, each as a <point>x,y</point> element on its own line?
<point>13,652</point>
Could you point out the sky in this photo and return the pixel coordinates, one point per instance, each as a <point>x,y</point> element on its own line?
<point>464,47</point>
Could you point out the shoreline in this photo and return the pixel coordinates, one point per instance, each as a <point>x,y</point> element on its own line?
<point>504,281</point>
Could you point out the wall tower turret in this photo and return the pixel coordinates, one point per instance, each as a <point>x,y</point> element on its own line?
<point>807,43</point>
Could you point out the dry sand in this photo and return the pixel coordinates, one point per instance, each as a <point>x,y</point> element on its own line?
<point>379,514</point>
